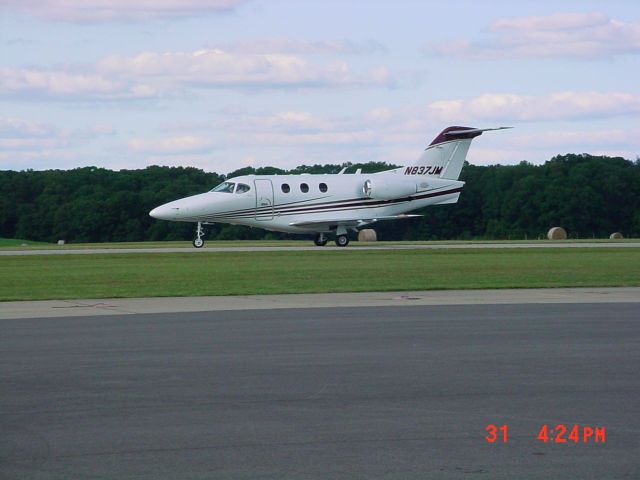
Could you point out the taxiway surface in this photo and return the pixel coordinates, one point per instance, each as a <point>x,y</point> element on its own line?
<point>132,306</point>
<point>385,392</point>
<point>370,246</point>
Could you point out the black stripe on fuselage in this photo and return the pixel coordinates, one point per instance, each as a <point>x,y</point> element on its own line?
<point>339,205</point>
<point>289,207</point>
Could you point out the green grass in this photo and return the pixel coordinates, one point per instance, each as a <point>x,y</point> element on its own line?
<point>16,242</point>
<point>348,270</point>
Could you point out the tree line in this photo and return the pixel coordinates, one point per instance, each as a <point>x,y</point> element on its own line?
<point>590,196</point>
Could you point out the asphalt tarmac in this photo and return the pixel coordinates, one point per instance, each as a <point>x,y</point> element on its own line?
<point>134,306</point>
<point>355,245</point>
<point>324,393</point>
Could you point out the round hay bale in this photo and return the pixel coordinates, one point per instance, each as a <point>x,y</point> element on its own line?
<point>367,235</point>
<point>557,233</point>
<point>616,236</point>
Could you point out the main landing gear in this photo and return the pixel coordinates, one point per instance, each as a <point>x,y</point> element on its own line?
<point>198,242</point>
<point>342,240</point>
<point>320,240</point>
<point>341,236</point>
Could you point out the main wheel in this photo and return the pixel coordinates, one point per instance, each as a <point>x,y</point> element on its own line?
<point>320,240</point>
<point>342,240</point>
<point>198,242</point>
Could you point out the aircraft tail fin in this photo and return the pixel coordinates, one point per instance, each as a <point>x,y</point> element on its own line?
<point>445,155</point>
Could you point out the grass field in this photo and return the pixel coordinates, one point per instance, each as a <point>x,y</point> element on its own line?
<point>17,243</point>
<point>348,270</point>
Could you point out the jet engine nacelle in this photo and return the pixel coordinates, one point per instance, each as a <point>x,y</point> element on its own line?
<point>388,188</point>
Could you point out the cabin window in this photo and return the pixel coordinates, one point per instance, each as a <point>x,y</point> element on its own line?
<point>225,187</point>
<point>304,188</point>
<point>242,188</point>
<point>323,187</point>
<point>285,188</point>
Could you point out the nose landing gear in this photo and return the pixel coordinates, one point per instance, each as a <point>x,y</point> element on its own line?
<point>320,240</point>
<point>198,242</point>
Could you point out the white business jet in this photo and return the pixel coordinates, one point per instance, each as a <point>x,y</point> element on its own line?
<point>331,203</point>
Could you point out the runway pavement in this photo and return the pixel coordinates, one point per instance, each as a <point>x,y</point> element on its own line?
<point>129,306</point>
<point>316,393</point>
<point>354,245</point>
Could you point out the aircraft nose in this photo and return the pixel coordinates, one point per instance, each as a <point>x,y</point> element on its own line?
<point>165,212</point>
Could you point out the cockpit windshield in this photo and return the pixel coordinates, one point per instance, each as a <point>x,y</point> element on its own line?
<point>225,187</point>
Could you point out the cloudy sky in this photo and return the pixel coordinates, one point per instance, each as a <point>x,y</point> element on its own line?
<point>222,84</point>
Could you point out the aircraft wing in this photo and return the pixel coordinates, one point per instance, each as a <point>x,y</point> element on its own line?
<point>355,222</point>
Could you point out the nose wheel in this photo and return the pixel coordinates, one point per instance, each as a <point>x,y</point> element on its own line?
<point>320,240</point>
<point>198,242</point>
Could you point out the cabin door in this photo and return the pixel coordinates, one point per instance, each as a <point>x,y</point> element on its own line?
<point>264,199</point>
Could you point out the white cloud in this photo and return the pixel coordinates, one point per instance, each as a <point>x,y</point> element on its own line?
<point>36,150</point>
<point>284,128</point>
<point>541,144</point>
<point>379,114</point>
<point>38,159</point>
<point>26,143</point>
<point>291,138</point>
<point>99,129</point>
<point>171,145</point>
<point>555,21</point>
<point>215,68</point>
<point>20,136</point>
<point>91,11</point>
<point>398,140</point>
<point>303,47</point>
<point>576,35</point>
<point>13,127</point>
<point>150,74</point>
<point>31,144</point>
<point>555,106</point>
<point>349,139</point>
<point>585,139</point>
<point>288,138</point>
<point>68,85</point>
<point>290,122</point>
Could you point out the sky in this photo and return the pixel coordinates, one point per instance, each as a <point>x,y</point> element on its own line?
<point>224,84</point>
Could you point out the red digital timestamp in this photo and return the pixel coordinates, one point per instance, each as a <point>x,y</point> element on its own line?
<point>559,433</point>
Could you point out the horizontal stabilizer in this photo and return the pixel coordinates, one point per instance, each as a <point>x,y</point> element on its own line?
<point>461,133</point>
<point>473,130</point>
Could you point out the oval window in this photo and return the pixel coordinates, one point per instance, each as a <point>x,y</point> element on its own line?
<point>323,187</point>
<point>304,187</point>
<point>285,188</point>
